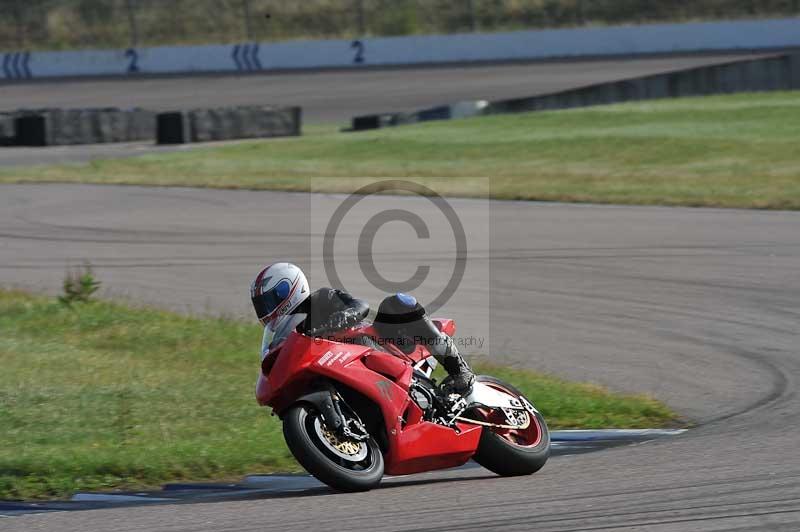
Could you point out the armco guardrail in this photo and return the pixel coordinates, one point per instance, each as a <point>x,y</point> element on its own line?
<point>226,123</point>
<point>778,72</point>
<point>411,50</point>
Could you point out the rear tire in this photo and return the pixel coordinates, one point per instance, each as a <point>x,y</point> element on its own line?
<point>300,430</point>
<point>500,455</point>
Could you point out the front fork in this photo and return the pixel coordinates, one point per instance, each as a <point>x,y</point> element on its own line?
<point>332,408</point>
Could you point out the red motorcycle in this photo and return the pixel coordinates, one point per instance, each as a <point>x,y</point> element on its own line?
<point>354,408</point>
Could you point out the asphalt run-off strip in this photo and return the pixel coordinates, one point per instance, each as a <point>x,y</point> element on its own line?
<point>564,443</point>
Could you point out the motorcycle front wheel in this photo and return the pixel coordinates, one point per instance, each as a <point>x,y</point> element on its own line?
<point>511,452</point>
<point>342,464</point>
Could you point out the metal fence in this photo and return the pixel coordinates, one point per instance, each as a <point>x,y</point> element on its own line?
<point>75,24</point>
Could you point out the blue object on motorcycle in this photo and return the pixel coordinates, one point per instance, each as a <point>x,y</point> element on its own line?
<point>407,300</point>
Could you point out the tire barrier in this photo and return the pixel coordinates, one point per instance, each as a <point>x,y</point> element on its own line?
<point>228,123</point>
<point>367,122</point>
<point>172,128</point>
<point>773,73</point>
<point>61,127</point>
<point>776,73</point>
<point>443,112</point>
<point>7,130</point>
<point>31,130</point>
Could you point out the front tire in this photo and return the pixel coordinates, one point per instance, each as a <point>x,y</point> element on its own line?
<point>510,452</point>
<point>344,466</point>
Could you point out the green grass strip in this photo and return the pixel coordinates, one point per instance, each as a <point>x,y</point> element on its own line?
<point>722,151</point>
<point>102,395</point>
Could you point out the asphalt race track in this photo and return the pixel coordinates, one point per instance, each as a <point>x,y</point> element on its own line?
<point>335,96</point>
<point>326,96</point>
<point>698,307</point>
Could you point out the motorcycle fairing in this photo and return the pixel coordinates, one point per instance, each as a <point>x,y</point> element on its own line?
<point>414,445</point>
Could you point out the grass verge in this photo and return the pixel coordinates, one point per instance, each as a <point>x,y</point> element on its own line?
<point>99,396</point>
<point>723,151</point>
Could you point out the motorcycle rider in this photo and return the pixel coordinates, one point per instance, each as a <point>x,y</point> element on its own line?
<point>283,302</point>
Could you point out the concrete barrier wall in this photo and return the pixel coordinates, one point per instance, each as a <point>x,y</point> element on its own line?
<point>780,72</point>
<point>411,50</point>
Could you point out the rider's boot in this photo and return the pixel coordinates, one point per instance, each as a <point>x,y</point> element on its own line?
<point>460,374</point>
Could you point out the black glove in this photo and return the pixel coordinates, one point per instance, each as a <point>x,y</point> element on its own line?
<point>333,310</point>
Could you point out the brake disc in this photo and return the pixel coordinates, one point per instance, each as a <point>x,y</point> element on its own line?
<point>346,448</point>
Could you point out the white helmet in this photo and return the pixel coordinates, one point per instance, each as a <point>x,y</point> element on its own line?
<point>276,291</point>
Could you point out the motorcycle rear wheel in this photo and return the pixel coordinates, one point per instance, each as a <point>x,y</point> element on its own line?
<point>511,452</point>
<point>343,465</point>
